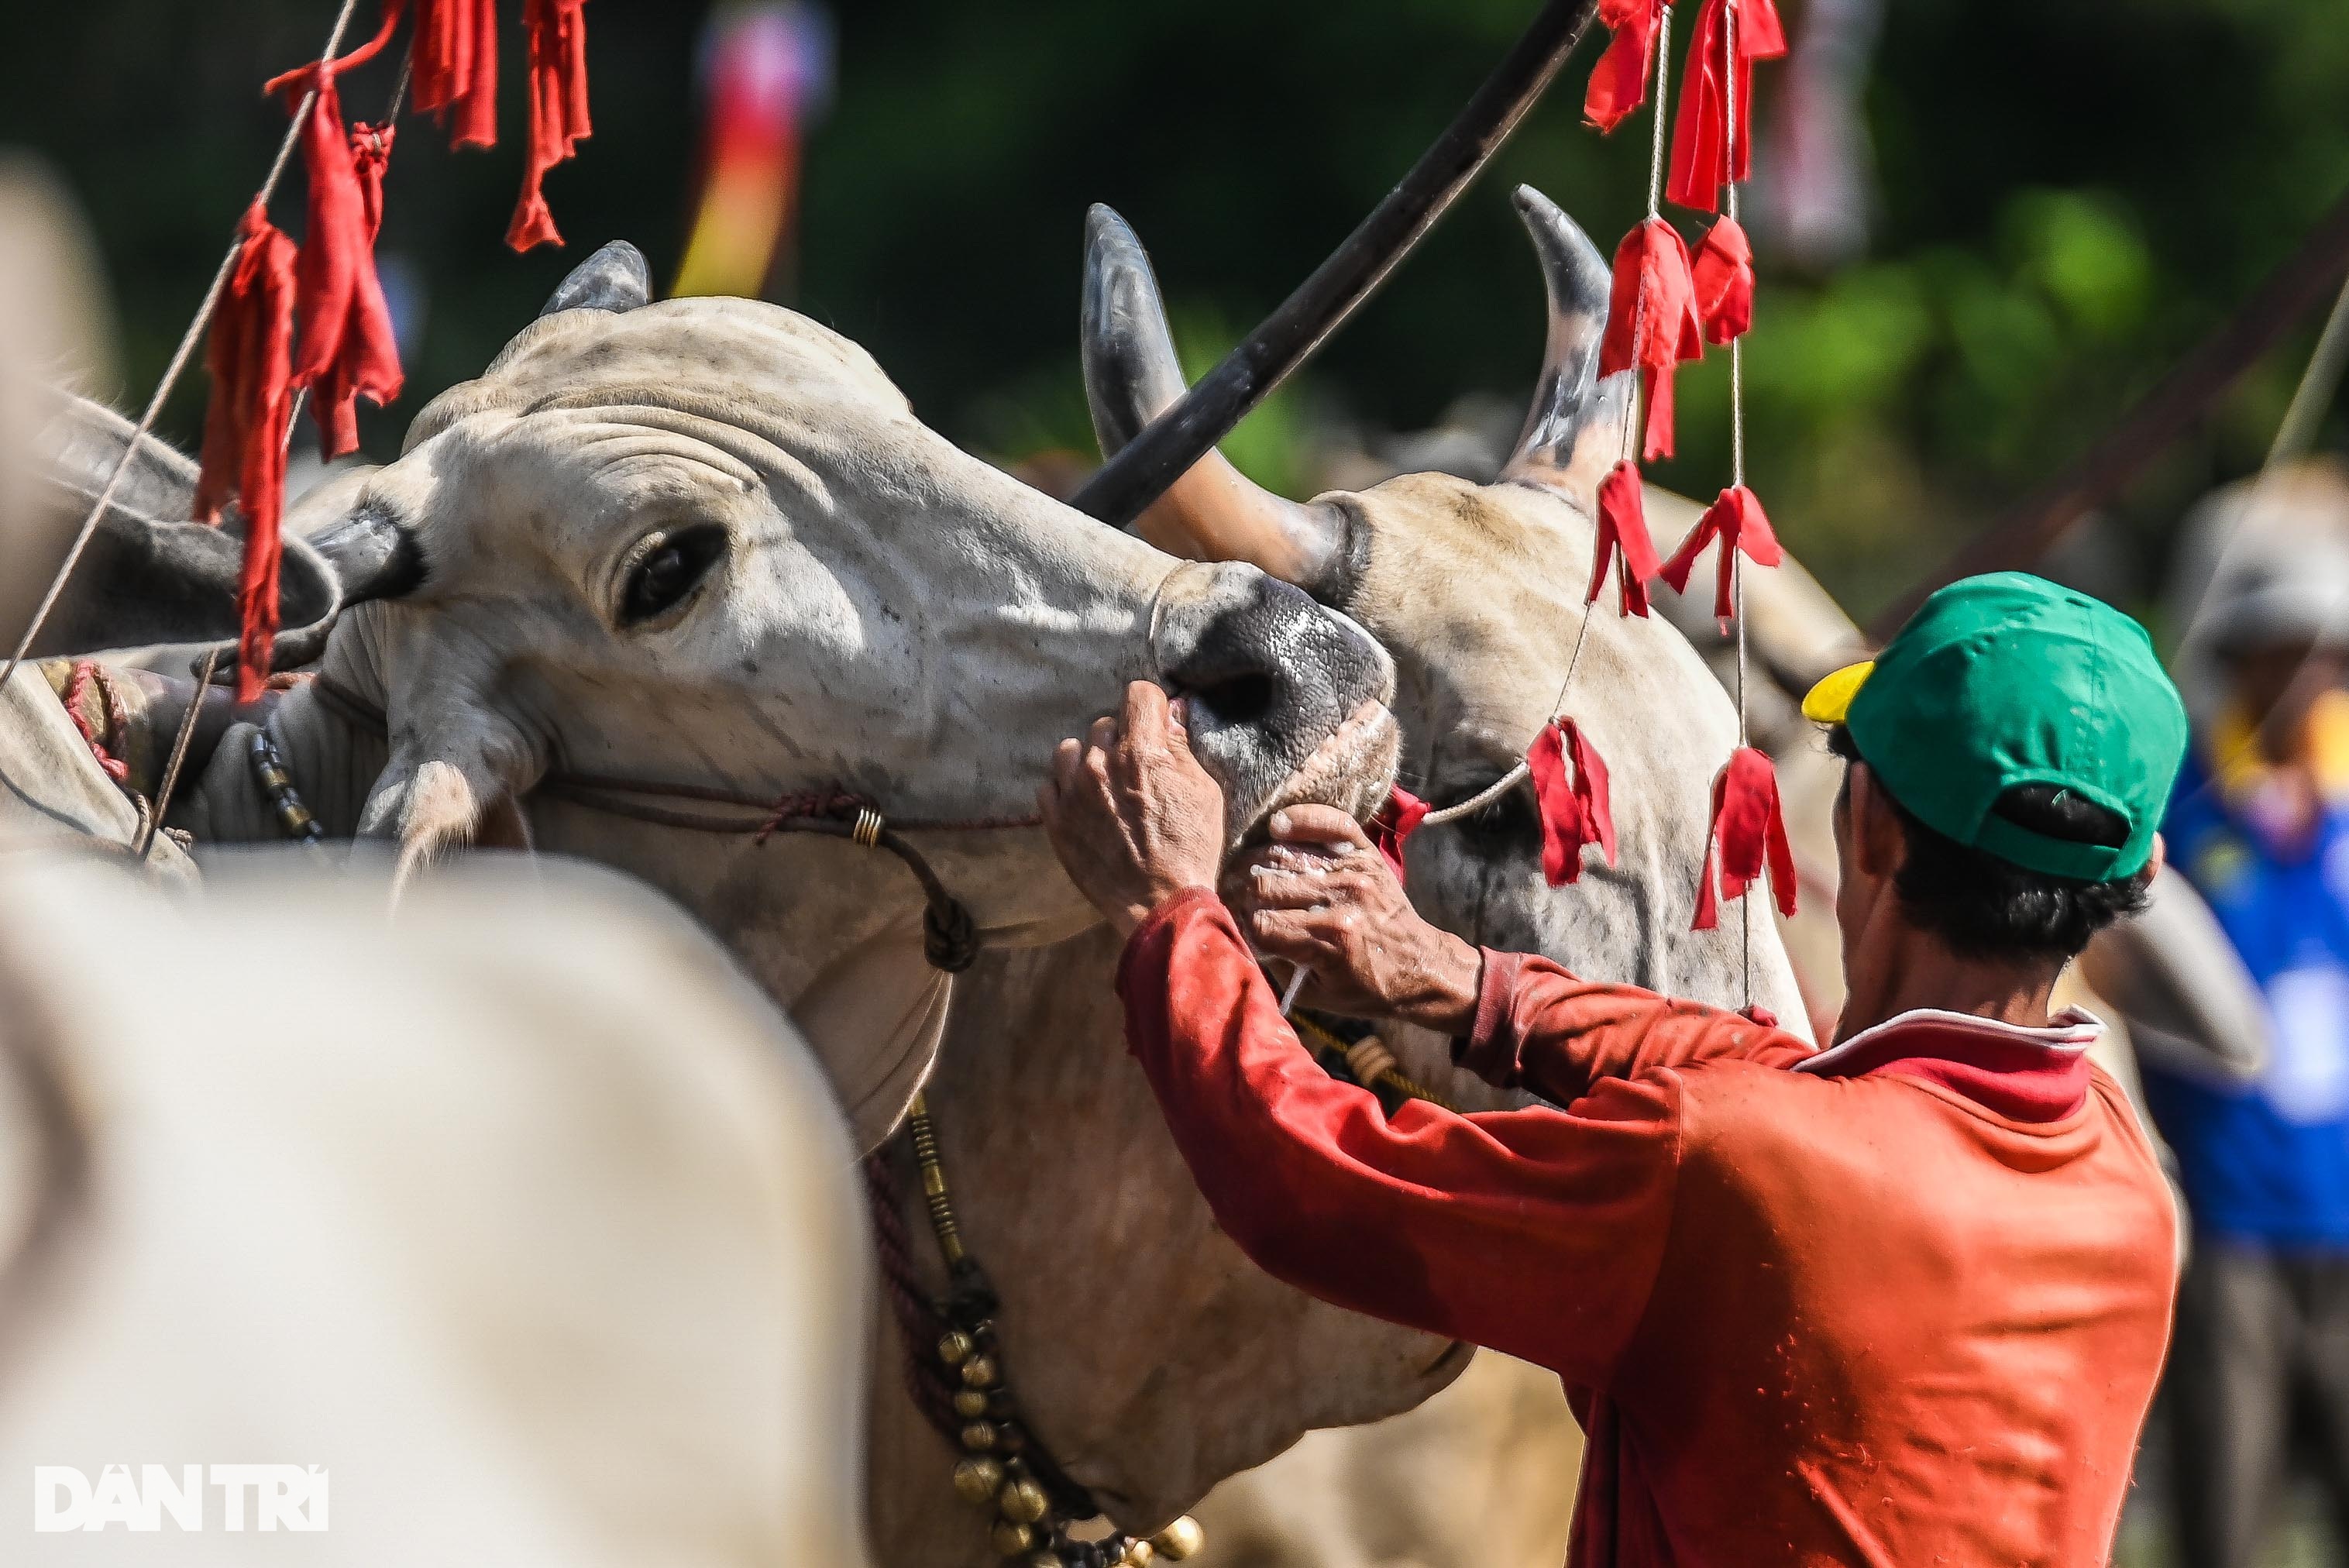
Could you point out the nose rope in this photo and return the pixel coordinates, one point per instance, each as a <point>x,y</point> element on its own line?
<point>949,935</point>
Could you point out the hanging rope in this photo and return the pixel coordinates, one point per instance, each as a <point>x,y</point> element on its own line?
<point>173,370</point>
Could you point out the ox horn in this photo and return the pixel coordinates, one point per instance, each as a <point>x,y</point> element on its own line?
<point>1213,511</point>
<point>615,278</point>
<point>457,782</point>
<point>1176,440</point>
<point>1573,430</point>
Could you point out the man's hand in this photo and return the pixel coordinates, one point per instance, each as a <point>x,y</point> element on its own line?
<point>1321,896</point>
<point>1132,816</point>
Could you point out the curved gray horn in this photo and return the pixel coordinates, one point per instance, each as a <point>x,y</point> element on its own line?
<point>370,555</point>
<point>615,278</point>
<point>1212,511</point>
<point>1130,481</point>
<point>148,575</point>
<point>1574,428</point>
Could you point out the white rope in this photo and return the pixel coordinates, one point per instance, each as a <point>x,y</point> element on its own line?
<point>1736,443</point>
<point>1664,75</point>
<point>1632,426</point>
<point>172,372</point>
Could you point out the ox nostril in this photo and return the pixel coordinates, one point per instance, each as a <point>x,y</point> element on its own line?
<point>1237,699</point>
<point>1254,655</point>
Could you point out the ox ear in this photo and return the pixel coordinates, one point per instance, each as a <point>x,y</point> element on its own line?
<point>1574,429</point>
<point>148,575</point>
<point>1213,512</point>
<point>458,781</point>
<point>615,278</point>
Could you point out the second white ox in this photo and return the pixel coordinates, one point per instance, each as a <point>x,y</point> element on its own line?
<point>704,547</point>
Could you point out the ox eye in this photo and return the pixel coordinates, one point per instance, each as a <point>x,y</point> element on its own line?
<point>667,568</point>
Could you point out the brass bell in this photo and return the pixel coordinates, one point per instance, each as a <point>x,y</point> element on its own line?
<point>971,1403</point>
<point>1009,1537</point>
<point>979,1437</point>
<point>955,1346</point>
<point>977,1480</point>
<point>1023,1500</point>
<point>1138,1553</point>
<point>978,1372</point>
<point>1180,1539</point>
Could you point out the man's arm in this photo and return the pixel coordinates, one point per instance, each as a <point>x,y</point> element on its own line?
<point>1319,896</point>
<point>1538,1232</point>
<point>1537,1027</point>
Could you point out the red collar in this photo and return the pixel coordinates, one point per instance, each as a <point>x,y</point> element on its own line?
<point>2022,1074</point>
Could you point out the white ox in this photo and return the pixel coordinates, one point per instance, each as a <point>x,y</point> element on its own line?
<point>1152,1356</point>
<point>520,1215</point>
<point>706,544</point>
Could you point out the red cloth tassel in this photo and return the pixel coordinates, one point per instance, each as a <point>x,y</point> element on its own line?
<point>1708,152</point>
<point>1623,540</point>
<point>1738,521</point>
<point>558,110</point>
<point>454,57</point>
<point>1397,821</point>
<point>1651,321</point>
<point>1747,832</point>
<point>249,355</point>
<point>1573,811</point>
<point>1723,276</point>
<point>1619,84</point>
<point>347,349</point>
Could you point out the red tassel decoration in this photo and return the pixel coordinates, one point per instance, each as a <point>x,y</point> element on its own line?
<point>249,355</point>
<point>454,57</point>
<point>1623,540</point>
<point>1651,321</point>
<point>1723,280</point>
<point>1619,84</point>
<point>346,349</point>
<point>1708,151</point>
<point>1397,821</point>
<point>1748,832</point>
<point>1738,521</point>
<point>1573,811</point>
<point>558,110</point>
<point>370,158</point>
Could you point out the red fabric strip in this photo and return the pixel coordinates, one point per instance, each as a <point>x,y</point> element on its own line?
<point>1723,277</point>
<point>1737,523</point>
<point>347,349</point>
<point>1748,834</point>
<point>1397,821</point>
<point>1708,151</point>
<point>1623,540</point>
<point>558,110</point>
<point>1573,804</point>
<point>1619,83</point>
<point>1652,321</point>
<point>249,354</point>
<point>454,55</point>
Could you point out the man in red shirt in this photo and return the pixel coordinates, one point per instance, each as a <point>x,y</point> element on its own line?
<point>1901,1301</point>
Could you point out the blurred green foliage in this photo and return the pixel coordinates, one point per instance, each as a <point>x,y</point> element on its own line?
<point>2068,197</point>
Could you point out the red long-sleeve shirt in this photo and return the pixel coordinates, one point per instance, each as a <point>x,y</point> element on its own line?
<point>1900,1302</point>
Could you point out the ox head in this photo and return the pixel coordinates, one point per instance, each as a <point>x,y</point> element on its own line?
<point>1477,591</point>
<point>705,542</point>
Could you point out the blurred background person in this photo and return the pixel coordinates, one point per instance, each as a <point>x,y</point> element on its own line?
<point>2260,824</point>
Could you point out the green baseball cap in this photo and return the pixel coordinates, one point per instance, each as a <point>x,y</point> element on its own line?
<point>2009,679</point>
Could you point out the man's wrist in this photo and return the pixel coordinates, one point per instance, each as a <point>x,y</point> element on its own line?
<point>1128,918</point>
<point>1454,979</point>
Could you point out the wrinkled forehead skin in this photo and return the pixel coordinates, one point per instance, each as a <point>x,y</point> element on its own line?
<point>892,615</point>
